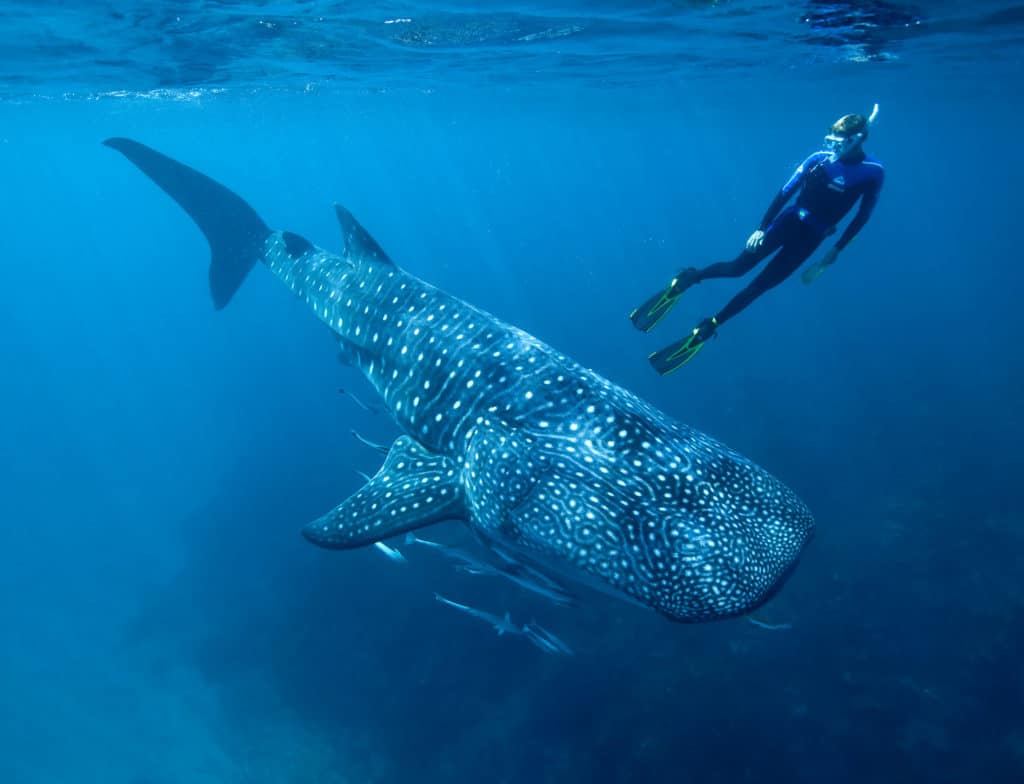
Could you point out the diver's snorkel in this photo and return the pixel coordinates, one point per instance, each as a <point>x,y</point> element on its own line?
<point>840,145</point>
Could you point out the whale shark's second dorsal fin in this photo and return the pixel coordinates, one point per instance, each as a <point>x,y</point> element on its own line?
<point>358,242</point>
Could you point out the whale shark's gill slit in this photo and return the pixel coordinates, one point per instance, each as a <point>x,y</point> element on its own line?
<point>233,229</point>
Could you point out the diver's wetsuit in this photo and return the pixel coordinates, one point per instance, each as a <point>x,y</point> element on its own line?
<point>828,190</point>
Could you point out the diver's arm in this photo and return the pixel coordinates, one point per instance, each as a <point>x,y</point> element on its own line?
<point>774,209</point>
<point>755,240</point>
<point>856,224</point>
<point>813,272</point>
<point>787,190</point>
<point>867,206</point>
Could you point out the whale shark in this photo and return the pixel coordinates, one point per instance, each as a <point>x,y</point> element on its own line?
<point>545,460</point>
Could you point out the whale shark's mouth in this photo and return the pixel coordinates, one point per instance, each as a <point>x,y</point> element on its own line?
<point>775,587</point>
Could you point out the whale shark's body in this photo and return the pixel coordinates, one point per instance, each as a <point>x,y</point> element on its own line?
<point>544,459</point>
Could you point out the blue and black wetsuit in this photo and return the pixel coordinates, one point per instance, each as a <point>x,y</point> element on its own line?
<point>827,191</point>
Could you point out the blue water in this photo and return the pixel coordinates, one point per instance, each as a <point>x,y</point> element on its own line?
<point>163,621</point>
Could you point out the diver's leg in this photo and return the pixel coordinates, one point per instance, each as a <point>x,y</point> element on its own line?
<point>736,268</point>
<point>748,259</point>
<point>796,246</point>
<point>785,263</point>
<point>655,308</point>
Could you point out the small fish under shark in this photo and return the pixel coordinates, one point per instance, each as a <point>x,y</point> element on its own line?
<point>521,574</point>
<point>532,631</point>
<point>545,460</point>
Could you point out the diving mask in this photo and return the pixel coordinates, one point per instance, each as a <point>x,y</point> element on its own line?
<point>848,133</point>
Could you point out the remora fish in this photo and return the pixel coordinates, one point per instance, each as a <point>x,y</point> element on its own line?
<point>542,457</point>
<point>532,631</point>
<point>518,573</point>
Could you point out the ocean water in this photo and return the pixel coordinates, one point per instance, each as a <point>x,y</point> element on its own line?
<point>162,619</point>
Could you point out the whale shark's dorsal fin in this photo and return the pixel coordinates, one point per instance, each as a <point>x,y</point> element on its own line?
<point>358,242</point>
<point>414,488</point>
<point>235,232</point>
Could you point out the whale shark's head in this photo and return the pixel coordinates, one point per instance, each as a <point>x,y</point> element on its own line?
<point>715,535</point>
<point>716,561</point>
<point>657,512</point>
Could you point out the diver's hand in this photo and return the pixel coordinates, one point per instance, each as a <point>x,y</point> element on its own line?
<point>830,258</point>
<point>755,240</point>
<point>812,273</point>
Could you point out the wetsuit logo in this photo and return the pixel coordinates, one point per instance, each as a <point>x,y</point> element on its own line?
<point>838,184</point>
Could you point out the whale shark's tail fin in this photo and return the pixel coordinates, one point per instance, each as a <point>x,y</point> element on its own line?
<point>235,232</point>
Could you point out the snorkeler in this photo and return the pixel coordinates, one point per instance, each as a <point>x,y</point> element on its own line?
<point>830,182</point>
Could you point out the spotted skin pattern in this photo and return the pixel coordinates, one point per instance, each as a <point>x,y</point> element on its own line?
<point>540,455</point>
<point>546,460</point>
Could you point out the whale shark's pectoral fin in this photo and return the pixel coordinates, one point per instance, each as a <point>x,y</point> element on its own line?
<point>412,489</point>
<point>358,242</point>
